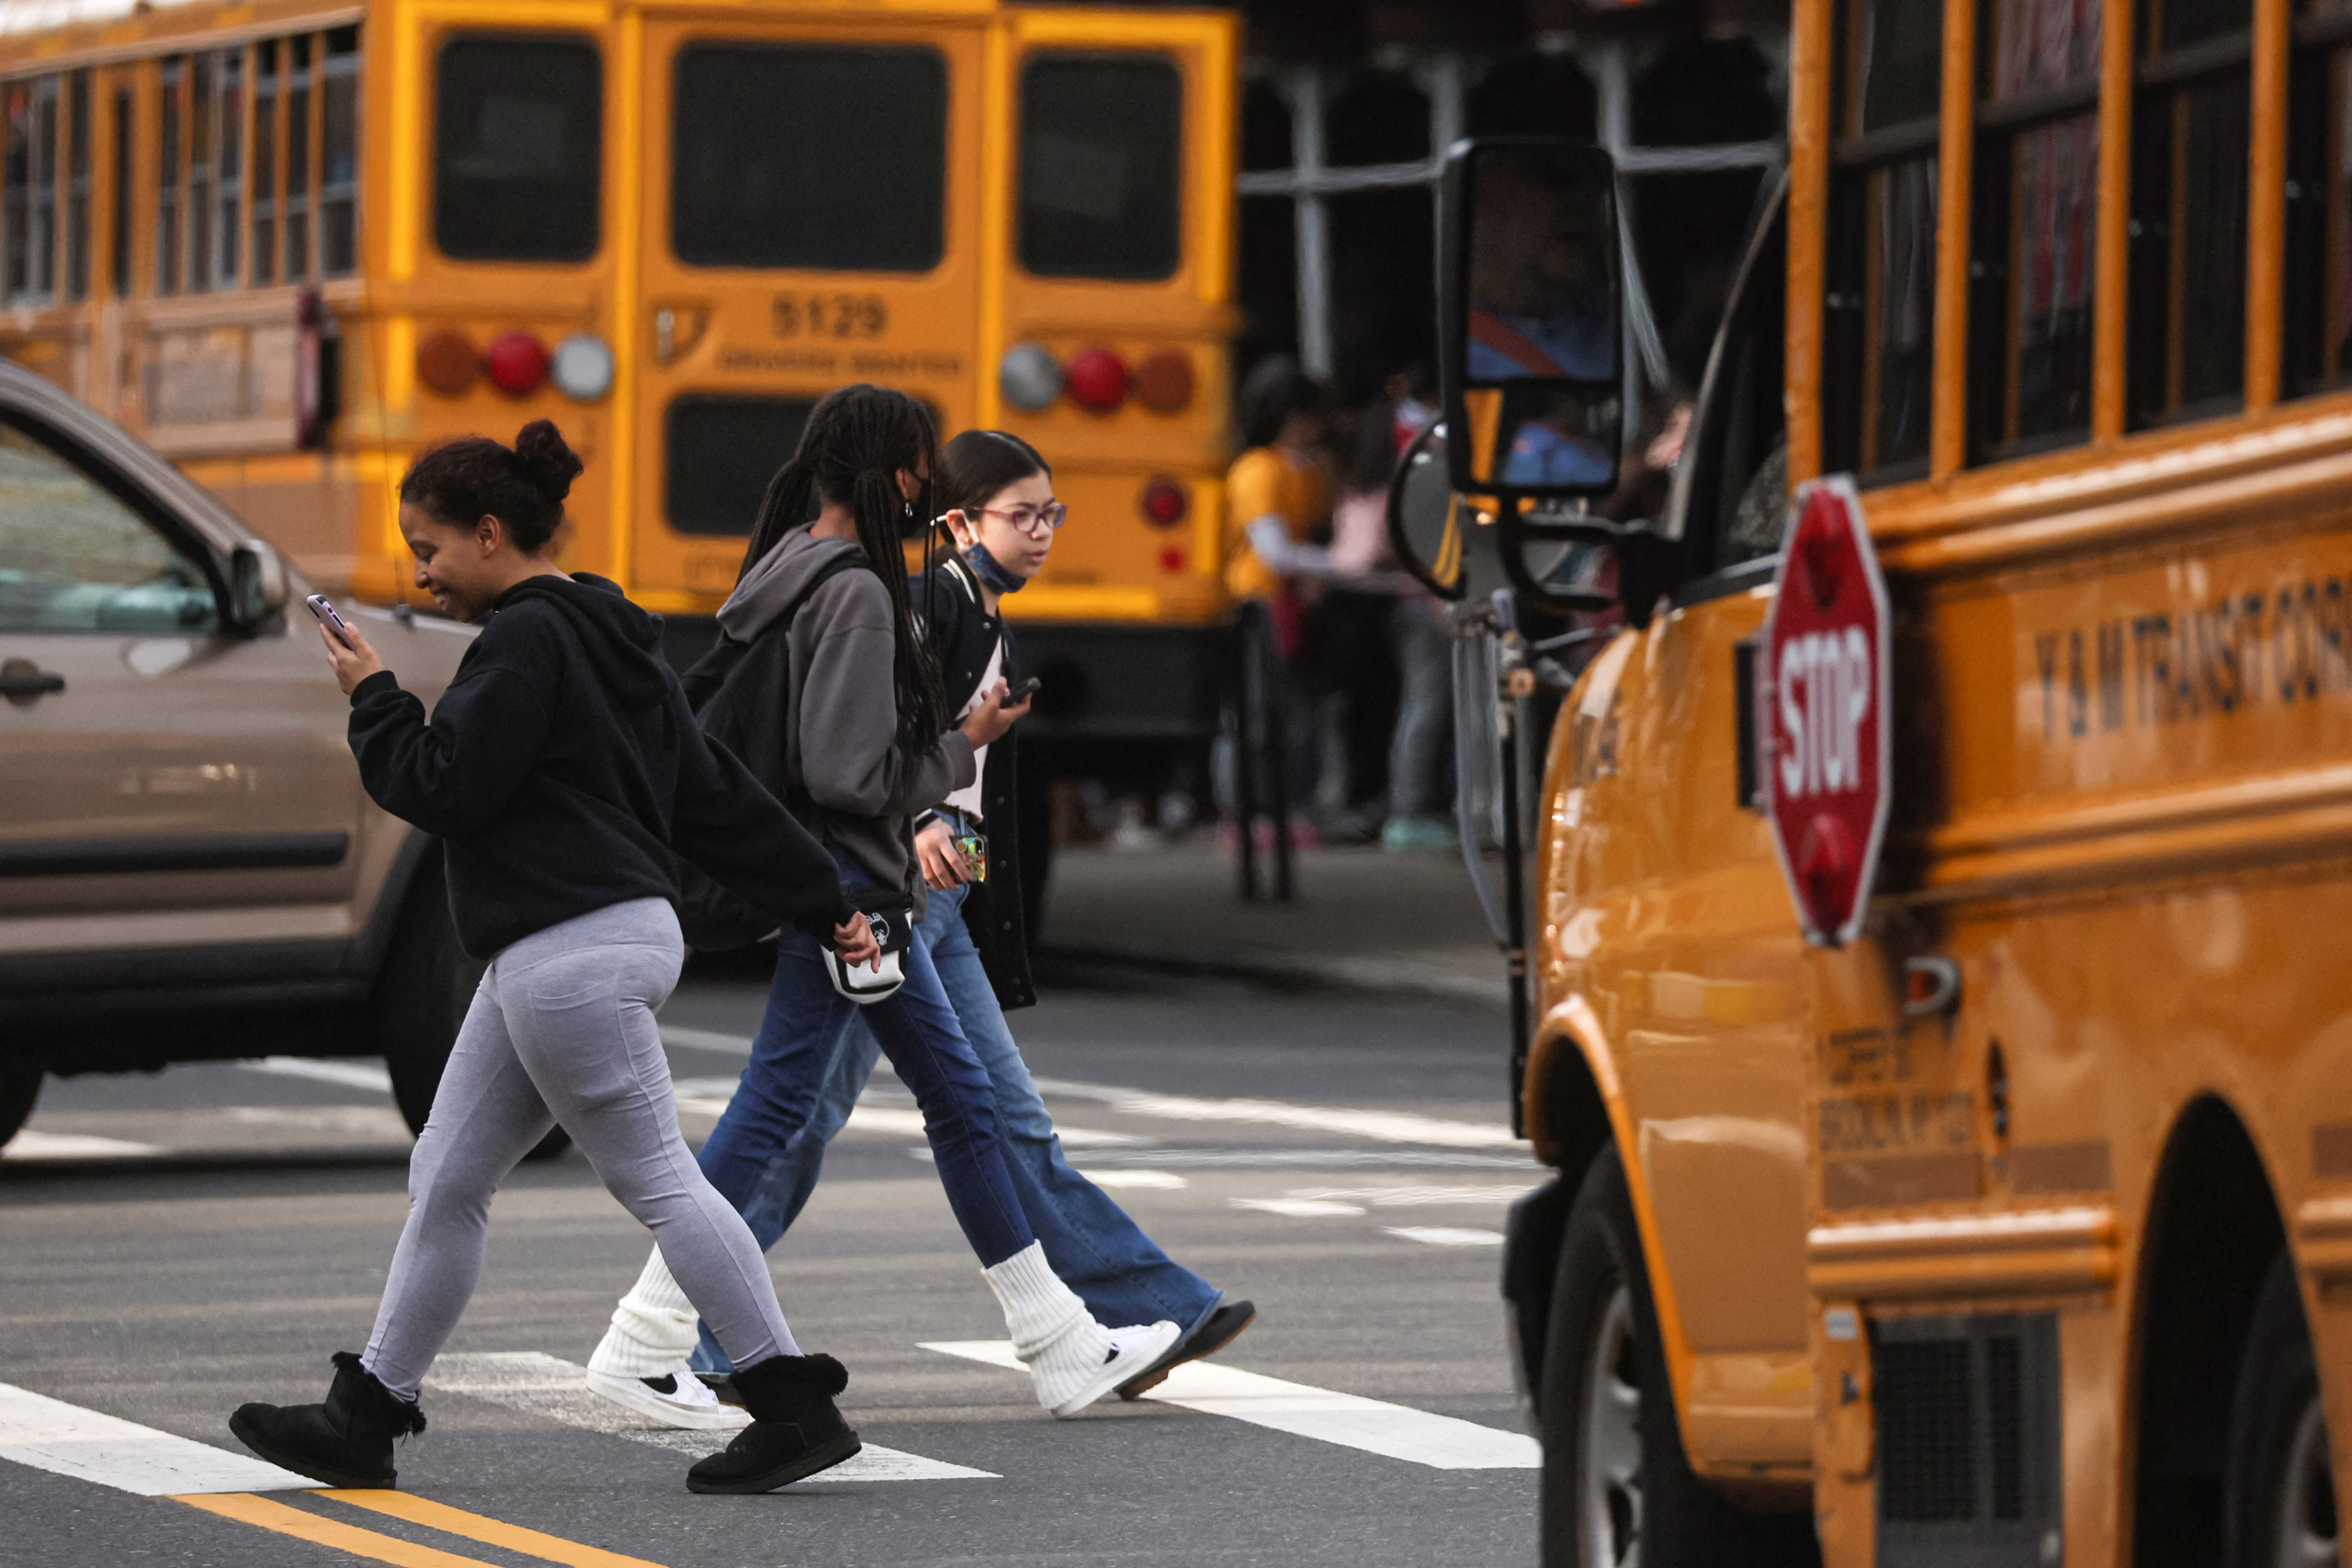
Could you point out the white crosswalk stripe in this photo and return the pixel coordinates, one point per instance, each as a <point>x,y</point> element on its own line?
<point>1398,1431</point>
<point>65,1439</point>
<point>556,1389</point>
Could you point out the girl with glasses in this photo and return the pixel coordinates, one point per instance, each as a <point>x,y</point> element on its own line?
<point>859,744</point>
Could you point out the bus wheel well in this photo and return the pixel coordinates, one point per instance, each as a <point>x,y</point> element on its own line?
<point>2212,1233</point>
<point>1574,1122</point>
<point>1575,1119</point>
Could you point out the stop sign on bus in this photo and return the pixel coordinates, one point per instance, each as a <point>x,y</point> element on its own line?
<point>1822,695</point>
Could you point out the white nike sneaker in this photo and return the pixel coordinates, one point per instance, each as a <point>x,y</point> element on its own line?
<point>1131,1350</point>
<point>675,1399</point>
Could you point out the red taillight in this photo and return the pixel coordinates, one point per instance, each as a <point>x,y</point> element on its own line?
<point>1096,380</point>
<point>1164,503</point>
<point>516,364</point>
<point>1164,380</point>
<point>1172,558</point>
<point>447,363</point>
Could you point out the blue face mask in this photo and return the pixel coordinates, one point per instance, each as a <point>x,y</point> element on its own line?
<point>990,571</point>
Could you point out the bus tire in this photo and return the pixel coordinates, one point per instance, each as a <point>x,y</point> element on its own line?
<point>18,1089</point>
<point>2278,1495</point>
<point>422,995</point>
<point>1617,1486</point>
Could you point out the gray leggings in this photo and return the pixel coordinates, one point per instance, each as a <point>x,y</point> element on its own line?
<point>562,1030</point>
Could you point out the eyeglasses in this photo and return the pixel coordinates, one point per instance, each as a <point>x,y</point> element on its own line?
<point>1034,521</point>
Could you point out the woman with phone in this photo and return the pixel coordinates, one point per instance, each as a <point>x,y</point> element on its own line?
<point>562,770</point>
<point>997,492</point>
<point>821,615</point>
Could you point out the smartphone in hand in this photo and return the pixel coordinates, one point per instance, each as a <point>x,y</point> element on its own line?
<point>328,618</point>
<point>1022,692</point>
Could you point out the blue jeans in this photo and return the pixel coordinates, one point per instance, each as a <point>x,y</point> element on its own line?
<point>791,1056</point>
<point>1098,1251</point>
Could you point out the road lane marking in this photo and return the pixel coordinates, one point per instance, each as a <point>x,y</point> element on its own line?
<point>1162,1180</point>
<point>1419,1197</point>
<point>1396,1431</point>
<point>1275,1159</point>
<point>706,1039</point>
<point>1299,1208</point>
<point>350,1075</point>
<point>1385,1126</point>
<point>65,1439</point>
<point>1446,1236</point>
<point>32,1144</point>
<point>709,1097</point>
<point>333,1533</point>
<point>423,1511</point>
<point>557,1390</point>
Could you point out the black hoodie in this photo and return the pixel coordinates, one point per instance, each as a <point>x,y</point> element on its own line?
<point>562,767</point>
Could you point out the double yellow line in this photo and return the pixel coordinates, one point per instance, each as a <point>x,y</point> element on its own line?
<point>270,1515</point>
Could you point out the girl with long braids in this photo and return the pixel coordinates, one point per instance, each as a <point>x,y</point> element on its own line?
<point>819,617</point>
<point>562,770</point>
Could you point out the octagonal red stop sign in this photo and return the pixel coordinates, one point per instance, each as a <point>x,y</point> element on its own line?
<point>1822,695</point>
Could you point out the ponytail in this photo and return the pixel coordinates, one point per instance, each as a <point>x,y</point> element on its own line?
<point>852,450</point>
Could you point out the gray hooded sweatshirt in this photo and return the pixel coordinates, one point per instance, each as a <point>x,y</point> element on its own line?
<point>841,719</point>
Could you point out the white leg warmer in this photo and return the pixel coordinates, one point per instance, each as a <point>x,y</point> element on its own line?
<point>1072,1359</point>
<point>654,1328</point>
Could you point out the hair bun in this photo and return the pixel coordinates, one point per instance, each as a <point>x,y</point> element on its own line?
<point>547,461</point>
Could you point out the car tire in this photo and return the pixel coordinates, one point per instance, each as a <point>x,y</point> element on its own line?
<point>421,997</point>
<point>1617,1487</point>
<point>18,1090</point>
<point>2279,1497</point>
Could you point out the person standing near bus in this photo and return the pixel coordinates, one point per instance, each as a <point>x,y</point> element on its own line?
<point>998,493</point>
<point>820,615</point>
<point>562,768</point>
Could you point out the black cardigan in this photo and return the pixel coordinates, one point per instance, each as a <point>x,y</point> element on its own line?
<point>963,633</point>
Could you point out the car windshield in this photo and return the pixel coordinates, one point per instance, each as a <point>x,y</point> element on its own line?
<point>74,558</point>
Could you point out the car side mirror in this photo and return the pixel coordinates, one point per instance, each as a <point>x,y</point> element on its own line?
<point>257,586</point>
<point>1531,329</point>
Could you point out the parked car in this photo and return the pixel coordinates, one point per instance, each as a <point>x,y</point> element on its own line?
<point>188,866</point>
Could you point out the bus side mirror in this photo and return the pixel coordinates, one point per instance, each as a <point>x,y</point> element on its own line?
<point>1531,328</point>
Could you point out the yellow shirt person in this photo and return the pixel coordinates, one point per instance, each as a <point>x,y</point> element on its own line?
<point>1276,482</point>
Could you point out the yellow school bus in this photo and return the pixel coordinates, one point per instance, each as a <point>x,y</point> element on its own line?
<point>291,242</point>
<point>2017,1229</point>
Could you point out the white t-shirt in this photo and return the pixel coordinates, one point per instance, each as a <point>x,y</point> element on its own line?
<point>968,799</point>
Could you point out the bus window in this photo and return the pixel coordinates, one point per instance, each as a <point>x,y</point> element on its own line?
<point>817,157</point>
<point>721,453</point>
<point>2318,293</point>
<point>170,111</point>
<point>339,171</point>
<point>1879,312</point>
<point>297,210</point>
<point>1740,454</point>
<point>2031,265</point>
<point>266,163</point>
<point>2185,348</point>
<point>78,185</point>
<point>518,148</point>
<point>124,147</point>
<point>28,193</point>
<point>1101,140</point>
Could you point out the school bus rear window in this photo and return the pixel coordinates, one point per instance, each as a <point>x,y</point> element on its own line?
<point>1101,153</point>
<point>518,147</point>
<point>826,158</point>
<point>722,452</point>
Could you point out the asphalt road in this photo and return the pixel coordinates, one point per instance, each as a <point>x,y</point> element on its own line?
<point>172,1246</point>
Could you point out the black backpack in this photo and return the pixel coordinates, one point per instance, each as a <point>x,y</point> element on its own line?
<point>741,701</point>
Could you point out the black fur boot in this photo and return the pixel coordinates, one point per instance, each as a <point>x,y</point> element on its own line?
<point>795,1431</point>
<point>348,1441</point>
